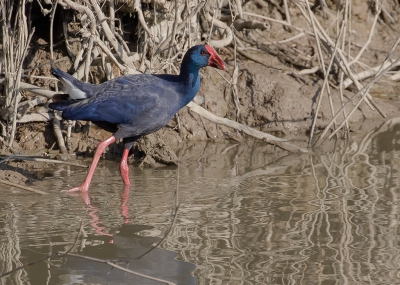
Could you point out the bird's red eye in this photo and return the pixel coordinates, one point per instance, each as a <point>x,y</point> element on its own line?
<point>203,52</point>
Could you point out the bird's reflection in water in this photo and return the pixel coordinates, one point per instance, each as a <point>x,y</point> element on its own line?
<point>92,210</point>
<point>124,208</point>
<point>126,247</point>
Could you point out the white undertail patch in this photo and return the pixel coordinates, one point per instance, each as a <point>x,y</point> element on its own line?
<point>71,90</point>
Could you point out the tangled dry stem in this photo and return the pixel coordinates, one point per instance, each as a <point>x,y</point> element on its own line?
<point>103,37</point>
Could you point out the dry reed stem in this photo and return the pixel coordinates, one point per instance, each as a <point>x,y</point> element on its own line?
<point>193,13</point>
<point>140,274</point>
<point>23,187</point>
<point>137,6</point>
<point>227,31</point>
<point>44,160</point>
<point>17,94</point>
<point>130,68</point>
<point>110,55</point>
<point>279,22</point>
<point>346,24</point>
<point>241,25</point>
<point>343,63</point>
<point>88,36</point>
<point>319,32</point>
<point>173,34</point>
<point>35,117</point>
<point>111,9</point>
<point>56,121</point>
<point>58,133</point>
<point>324,84</point>
<point>282,143</point>
<point>287,14</point>
<point>114,265</point>
<point>363,93</point>
<point>371,33</point>
<point>322,65</point>
<point>317,40</point>
<point>367,73</point>
<point>53,11</point>
<point>33,88</point>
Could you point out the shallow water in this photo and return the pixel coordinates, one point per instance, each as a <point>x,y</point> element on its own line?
<point>247,215</point>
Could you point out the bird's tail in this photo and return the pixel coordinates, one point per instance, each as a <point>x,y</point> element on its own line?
<point>62,104</point>
<point>62,75</point>
<point>71,86</point>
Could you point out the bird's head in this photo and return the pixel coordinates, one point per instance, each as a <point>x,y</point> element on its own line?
<point>202,56</point>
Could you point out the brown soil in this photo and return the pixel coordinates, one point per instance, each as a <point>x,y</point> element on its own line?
<point>20,172</point>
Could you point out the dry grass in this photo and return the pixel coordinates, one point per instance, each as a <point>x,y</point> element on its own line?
<point>165,29</point>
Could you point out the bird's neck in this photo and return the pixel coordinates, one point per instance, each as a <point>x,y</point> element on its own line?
<point>190,77</point>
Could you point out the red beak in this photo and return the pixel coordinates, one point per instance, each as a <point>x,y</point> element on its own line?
<point>214,60</point>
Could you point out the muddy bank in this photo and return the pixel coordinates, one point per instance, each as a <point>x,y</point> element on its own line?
<point>270,93</point>
<point>269,101</point>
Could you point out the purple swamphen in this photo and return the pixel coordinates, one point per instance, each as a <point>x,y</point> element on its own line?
<point>132,106</point>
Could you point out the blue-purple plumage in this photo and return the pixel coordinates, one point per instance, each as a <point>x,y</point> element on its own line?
<point>131,106</point>
<point>138,104</point>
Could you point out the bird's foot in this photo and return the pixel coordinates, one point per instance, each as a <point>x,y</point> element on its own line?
<point>82,188</point>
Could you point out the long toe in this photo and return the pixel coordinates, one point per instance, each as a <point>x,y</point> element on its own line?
<point>81,188</point>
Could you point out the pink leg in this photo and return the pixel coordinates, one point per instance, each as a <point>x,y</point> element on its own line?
<point>124,208</point>
<point>99,150</point>
<point>123,167</point>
